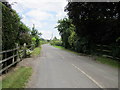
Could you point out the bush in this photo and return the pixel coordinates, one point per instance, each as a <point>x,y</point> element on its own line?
<point>56,43</point>
<point>28,52</point>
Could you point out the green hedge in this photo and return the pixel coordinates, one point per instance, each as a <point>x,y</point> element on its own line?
<point>10,27</point>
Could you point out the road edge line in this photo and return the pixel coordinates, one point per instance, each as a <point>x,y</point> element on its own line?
<point>88,76</point>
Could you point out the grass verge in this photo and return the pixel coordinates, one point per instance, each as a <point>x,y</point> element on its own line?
<point>59,47</point>
<point>101,59</point>
<point>18,78</point>
<point>36,51</point>
<point>108,61</point>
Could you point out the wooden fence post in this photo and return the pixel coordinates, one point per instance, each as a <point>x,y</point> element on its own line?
<point>6,63</point>
<point>17,51</point>
<point>13,57</point>
<point>24,51</point>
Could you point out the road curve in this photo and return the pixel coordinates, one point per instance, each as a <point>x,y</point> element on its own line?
<point>56,68</point>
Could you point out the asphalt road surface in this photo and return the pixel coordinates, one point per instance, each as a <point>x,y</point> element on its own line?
<point>56,68</point>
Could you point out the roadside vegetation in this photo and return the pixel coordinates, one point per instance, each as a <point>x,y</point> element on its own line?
<point>56,42</point>
<point>43,41</point>
<point>108,61</point>
<point>16,33</point>
<point>36,52</point>
<point>91,29</point>
<point>100,59</point>
<point>17,78</point>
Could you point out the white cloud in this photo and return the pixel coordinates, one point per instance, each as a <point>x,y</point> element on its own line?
<point>39,15</point>
<point>49,35</point>
<point>43,13</point>
<point>46,34</point>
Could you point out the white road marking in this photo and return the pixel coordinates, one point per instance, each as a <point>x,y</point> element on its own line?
<point>88,76</point>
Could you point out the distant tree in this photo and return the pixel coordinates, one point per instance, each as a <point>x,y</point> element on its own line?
<point>35,34</point>
<point>55,38</point>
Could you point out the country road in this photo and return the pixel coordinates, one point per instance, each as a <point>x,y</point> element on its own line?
<point>56,68</point>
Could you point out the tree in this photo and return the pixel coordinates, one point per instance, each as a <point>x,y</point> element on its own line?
<point>24,35</point>
<point>56,42</point>
<point>6,4</point>
<point>10,28</point>
<point>34,32</point>
<point>73,37</point>
<point>98,22</point>
<point>35,36</point>
<point>63,28</point>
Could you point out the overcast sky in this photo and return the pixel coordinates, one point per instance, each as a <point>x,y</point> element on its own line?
<point>43,13</point>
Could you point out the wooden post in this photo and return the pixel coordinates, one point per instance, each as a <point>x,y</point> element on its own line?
<point>6,63</point>
<point>13,57</point>
<point>17,52</point>
<point>24,51</point>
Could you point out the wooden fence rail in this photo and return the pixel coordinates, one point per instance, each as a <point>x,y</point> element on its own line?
<point>17,56</point>
<point>109,51</point>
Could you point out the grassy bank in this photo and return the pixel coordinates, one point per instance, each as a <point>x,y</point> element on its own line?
<point>107,61</point>
<point>18,78</point>
<point>101,59</point>
<point>36,51</point>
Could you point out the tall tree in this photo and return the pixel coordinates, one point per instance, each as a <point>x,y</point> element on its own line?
<point>98,22</point>
<point>63,27</point>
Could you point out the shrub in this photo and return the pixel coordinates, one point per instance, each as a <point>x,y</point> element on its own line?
<point>56,43</point>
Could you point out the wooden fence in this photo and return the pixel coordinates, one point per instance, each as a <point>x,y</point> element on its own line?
<point>109,51</point>
<point>17,55</point>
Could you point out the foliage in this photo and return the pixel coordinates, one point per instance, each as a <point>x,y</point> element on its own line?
<point>6,4</point>
<point>69,37</point>
<point>28,52</point>
<point>118,39</point>
<point>24,34</point>
<point>97,21</point>
<point>15,32</point>
<point>63,27</point>
<point>10,28</point>
<point>90,24</point>
<point>25,38</point>
<point>56,42</point>
<point>43,41</point>
<point>73,37</point>
<point>36,51</point>
<point>35,37</point>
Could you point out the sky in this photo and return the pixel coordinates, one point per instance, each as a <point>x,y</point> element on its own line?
<point>43,13</point>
